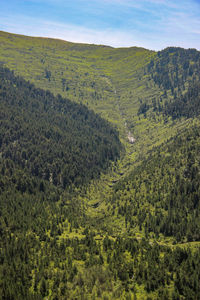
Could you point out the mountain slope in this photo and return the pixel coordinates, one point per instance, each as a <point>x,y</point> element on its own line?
<point>86,73</point>
<point>162,196</point>
<point>176,72</point>
<point>51,137</point>
<point>131,232</point>
<point>113,82</point>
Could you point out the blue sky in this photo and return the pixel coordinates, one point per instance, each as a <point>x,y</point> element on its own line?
<point>153,24</point>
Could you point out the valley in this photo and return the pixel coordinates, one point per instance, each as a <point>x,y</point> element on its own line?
<point>99,171</point>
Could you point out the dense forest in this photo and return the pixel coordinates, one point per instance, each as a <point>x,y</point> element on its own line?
<point>47,144</point>
<point>49,251</point>
<point>162,195</point>
<point>84,212</point>
<point>176,72</point>
<point>50,137</point>
<point>174,67</point>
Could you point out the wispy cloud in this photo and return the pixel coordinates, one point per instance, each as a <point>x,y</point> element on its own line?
<point>70,32</point>
<point>153,24</point>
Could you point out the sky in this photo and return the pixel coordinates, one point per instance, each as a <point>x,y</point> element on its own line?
<point>152,24</point>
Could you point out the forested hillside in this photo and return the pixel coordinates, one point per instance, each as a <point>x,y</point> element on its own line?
<point>107,80</point>
<point>134,88</point>
<point>90,210</point>
<point>48,145</point>
<point>176,72</point>
<point>162,195</point>
<point>51,137</point>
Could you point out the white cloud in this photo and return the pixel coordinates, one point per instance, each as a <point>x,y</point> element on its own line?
<point>68,32</point>
<point>179,26</point>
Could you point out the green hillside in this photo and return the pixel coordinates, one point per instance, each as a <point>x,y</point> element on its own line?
<point>51,137</point>
<point>81,215</point>
<point>108,80</point>
<point>161,196</point>
<point>113,82</point>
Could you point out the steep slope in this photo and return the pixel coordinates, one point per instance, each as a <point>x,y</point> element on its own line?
<point>47,144</point>
<point>176,72</point>
<point>133,232</point>
<point>161,196</point>
<point>51,137</point>
<point>85,73</point>
<point>113,82</point>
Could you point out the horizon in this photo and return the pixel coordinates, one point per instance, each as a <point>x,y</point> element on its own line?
<point>149,24</point>
<point>92,44</point>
